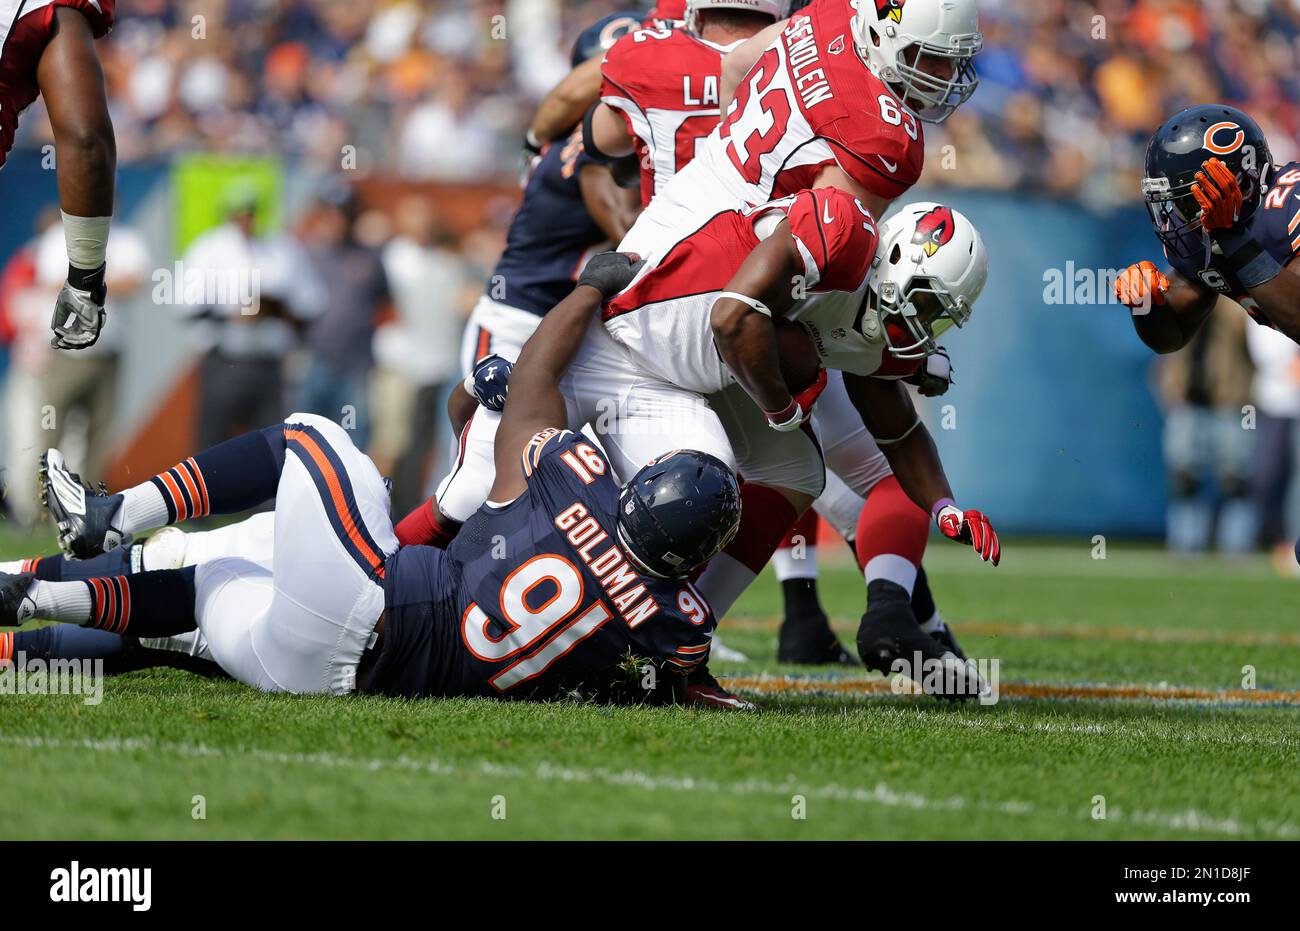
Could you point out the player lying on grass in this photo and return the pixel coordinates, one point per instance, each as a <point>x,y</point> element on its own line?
<point>1229,223</point>
<point>561,579</point>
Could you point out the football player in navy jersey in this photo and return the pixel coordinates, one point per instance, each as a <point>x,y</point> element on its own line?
<point>1229,222</point>
<point>556,583</point>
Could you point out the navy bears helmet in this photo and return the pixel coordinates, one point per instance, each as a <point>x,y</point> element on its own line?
<point>1176,153</point>
<point>678,511</point>
<point>599,36</point>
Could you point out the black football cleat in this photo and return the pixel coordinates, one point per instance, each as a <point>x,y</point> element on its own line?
<point>941,632</point>
<point>810,641</point>
<point>83,514</point>
<point>703,689</point>
<point>891,642</point>
<point>16,606</point>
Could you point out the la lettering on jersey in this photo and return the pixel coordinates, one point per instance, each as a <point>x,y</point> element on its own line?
<point>666,84</point>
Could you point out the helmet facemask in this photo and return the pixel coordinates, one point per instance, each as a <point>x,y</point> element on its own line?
<point>921,310</point>
<point>1176,216</point>
<point>934,98</point>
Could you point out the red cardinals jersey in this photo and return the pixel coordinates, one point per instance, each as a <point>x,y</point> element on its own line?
<point>665,84</point>
<point>662,318</point>
<point>25,29</point>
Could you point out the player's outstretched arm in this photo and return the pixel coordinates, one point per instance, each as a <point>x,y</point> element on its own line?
<point>886,410</point>
<point>72,83</point>
<point>535,402</point>
<point>1167,312</point>
<point>743,330</point>
<point>563,107</point>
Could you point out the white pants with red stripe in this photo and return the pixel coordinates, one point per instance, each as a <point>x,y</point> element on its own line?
<point>301,622</point>
<point>493,327</point>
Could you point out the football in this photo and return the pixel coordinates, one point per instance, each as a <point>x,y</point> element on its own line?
<point>799,359</point>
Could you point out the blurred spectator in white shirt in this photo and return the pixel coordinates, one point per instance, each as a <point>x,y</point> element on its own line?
<point>256,294</point>
<point>1275,484</point>
<point>418,354</point>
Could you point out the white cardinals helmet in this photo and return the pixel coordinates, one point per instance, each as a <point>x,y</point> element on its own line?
<point>893,35</point>
<point>773,8</point>
<point>929,269</point>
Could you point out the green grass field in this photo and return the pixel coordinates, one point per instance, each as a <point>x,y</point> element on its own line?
<point>1120,678</point>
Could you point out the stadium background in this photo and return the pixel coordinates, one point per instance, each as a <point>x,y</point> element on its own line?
<point>1053,425</point>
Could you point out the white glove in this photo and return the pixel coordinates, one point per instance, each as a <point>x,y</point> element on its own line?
<point>79,312</point>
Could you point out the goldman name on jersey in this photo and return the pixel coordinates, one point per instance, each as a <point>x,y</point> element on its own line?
<point>801,50</point>
<point>620,581</point>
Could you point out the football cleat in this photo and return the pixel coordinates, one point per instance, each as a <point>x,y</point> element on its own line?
<point>810,641</point>
<point>83,515</point>
<point>941,632</point>
<point>703,689</point>
<point>17,607</point>
<point>892,643</point>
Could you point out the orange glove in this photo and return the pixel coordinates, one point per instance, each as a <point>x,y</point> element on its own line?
<point>1219,195</point>
<point>1141,285</point>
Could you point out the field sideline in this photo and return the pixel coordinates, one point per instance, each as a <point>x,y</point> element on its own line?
<point>1121,678</point>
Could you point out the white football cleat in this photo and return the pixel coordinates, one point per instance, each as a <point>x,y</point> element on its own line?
<point>725,654</point>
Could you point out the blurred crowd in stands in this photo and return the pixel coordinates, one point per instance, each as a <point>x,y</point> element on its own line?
<point>435,89</point>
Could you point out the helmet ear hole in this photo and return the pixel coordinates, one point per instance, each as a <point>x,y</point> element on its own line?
<point>895,254</point>
<point>875,38</point>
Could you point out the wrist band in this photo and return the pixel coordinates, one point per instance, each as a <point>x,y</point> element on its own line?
<point>746,299</point>
<point>86,239</point>
<point>86,279</point>
<point>940,505</point>
<point>1248,259</point>
<point>531,142</point>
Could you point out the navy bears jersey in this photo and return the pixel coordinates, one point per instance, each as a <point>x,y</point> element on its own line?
<point>551,236</point>
<point>536,597</point>
<point>1275,226</point>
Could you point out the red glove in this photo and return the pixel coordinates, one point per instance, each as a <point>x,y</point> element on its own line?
<point>969,527</point>
<point>800,408</point>
<point>1141,285</point>
<point>1219,195</point>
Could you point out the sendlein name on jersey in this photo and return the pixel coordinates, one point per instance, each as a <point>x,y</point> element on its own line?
<point>611,567</point>
<point>801,49</point>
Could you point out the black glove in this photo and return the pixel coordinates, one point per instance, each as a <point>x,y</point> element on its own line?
<point>610,272</point>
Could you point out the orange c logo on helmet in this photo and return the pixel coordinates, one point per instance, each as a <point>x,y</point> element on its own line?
<point>1218,149</point>
<point>934,229</point>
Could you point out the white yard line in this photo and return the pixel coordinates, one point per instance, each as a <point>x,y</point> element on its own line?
<point>880,794</point>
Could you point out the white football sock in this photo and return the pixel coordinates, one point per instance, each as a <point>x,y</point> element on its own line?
<point>14,567</point>
<point>143,508</point>
<point>795,563</point>
<point>62,601</point>
<point>725,580</point>
<point>891,568</point>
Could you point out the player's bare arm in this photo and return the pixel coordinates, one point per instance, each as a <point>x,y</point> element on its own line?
<point>1279,299</point>
<point>614,208</point>
<point>737,62</point>
<point>563,107</point>
<point>535,401</point>
<point>72,83</point>
<point>744,330</point>
<point>887,411</point>
<point>609,133</point>
<point>1167,309</point>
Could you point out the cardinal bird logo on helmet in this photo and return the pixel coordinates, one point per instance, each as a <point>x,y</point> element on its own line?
<point>933,230</point>
<point>891,8</point>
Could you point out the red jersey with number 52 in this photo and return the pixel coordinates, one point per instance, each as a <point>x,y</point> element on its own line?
<point>662,318</point>
<point>25,29</point>
<point>665,83</point>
